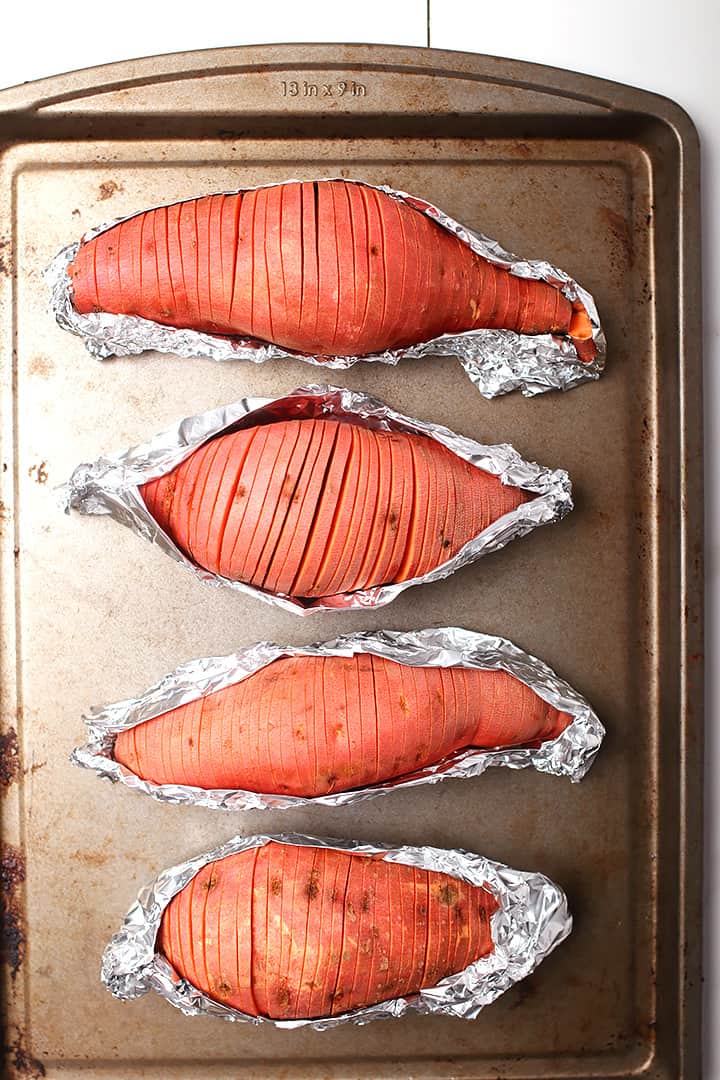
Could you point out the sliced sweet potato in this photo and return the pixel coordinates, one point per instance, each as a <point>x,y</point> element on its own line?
<point>241,496</point>
<point>415,274</point>
<point>393,712</point>
<point>286,539</point>
<point>483,292</point>
<point>363,723</point>
<point>312,725</point>
<point>207,289</point>
<point>126,266</point>
<point>377,286</point>
<point>200,533</point>
<point>288,491</point>
<point>349,511</point>
<point>325,267</point>
<point>364,511</point>
<point>315,508</point>
<point>336,872</point>
<point>288,921</point>
<point>332,736</point>
<point>300,730</point>
<point>242,311</point>
<point>384,526</point>
<point>328,265</point>
<point>238,904</point>
<point>305,580</point>
<point>379,513</point>
<point>229,227</point>
<point>164,309</point>
<point>310,289</point>
<point>277,289</point>
<point>412,554</point>
<point>267,885</point>
<point>194,502</point>
<point>432,554</point>
<point>316,932</point>
<point>343,997</point>
<point>261,314</point>
<point>337,533</point>
<point>401,900</point>
<point>501,302</point>
<point>182,516</point>
<point>148,283</point>
<point>465,707</point>
<point>402,502</point>
<point>361,269</point>
<point>295,532</point>
<point>347,327</point>
<point>231,487</point>
<point>264,499</point>
<point>291,255</point>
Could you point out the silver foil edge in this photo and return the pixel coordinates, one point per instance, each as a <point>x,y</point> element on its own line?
<point>570,754</point>
<point>532,920</point>
<point>110,485</point>
<point>496,361</point>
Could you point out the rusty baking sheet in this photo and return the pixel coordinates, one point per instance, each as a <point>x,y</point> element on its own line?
<point>603,180</point>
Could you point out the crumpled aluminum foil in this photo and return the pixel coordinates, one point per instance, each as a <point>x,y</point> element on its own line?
<point>532,920</point>
<point>110,485</point>
<point>496,361</point>
<point>570,754</point>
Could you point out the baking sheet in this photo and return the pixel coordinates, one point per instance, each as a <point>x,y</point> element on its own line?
<point>610,598</point>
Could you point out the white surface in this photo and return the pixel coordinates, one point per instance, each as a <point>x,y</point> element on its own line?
<point>60,37</point>
<point>667,46</point>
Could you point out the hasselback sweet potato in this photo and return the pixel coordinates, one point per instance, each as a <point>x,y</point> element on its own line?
<point>314,508</point>
<point>313,725</point>
<point>287,931</point>
<point>329,267</point>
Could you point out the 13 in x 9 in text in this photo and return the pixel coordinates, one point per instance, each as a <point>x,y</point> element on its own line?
<point>340,89</point>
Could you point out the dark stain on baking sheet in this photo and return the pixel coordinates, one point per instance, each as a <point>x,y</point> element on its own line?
<point>39,473</point>
<point>108,189</point>
<point>520,993</point>
<point>91,858</point>
<point>12,920</point>
<point>5,267</point>
<point>9,758</point>
<point>22,1063</point>
<point>621,232</point>
<point>41,366</point>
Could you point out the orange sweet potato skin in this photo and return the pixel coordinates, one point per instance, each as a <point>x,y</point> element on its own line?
<point>291,932</point>
<point>330,268</point>
<point>310,726</point>
<point>293,506</point>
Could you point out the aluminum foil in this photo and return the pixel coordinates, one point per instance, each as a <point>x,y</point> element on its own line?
<point>496,361</point>
<point>110,485</point>
<point>532,920</point>
<point>570,754</point>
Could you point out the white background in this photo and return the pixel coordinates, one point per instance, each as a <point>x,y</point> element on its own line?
<point>669,46</point>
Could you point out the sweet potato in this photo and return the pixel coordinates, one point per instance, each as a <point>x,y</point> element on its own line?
<point>290,932</point>
<point>314,508</point>
<point>329,267</point>
<point>311,725</point>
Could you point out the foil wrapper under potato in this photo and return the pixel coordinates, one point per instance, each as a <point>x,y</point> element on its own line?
<point>532,919</point>
<point>111,485</point>
<point>496,361</point>
<point>571,753</point>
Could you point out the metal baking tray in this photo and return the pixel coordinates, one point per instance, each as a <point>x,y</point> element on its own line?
<point>601,179</point>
